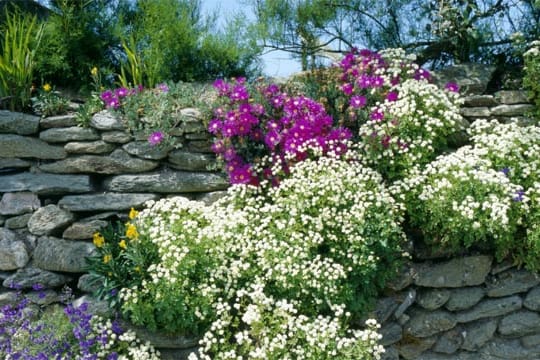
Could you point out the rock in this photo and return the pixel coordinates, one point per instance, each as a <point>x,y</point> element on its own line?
<point>94,306</point>
<point>193,113</point>
<point>511,110</point>
<point>429,355</point>
<point>18,203</point>
<point>404,278</point>
<point>105,120</point>
<point>384,308</point>
<point>18,222</point>
<point>49,220</point>
<point>45,184</point>
<point>519,324</point>
<point>62,255</point>
<point>478,333</point>
<point>532,300</point>
<point>119,162</point>
<point>475,112</point>
<point>116,137</point>
<point>211,197</point>
<point>426,323</point>
<point>30,275</point>
<point>413,347</point>
<point>471,78</point>
<point>501,266</point>
<point>509,97</point>
<point>178,354</point>
<point>531,341</point>
<point>13,252</point>
<point>83,229</point>
<point>89,284</point>
<point>432,299</point>
<point>390,353</point>
<point>60,121</point>
<point>391,334</point>
<point>184,160</point>
<point>145,150</point>
<point>94,147</point>
<point>43,297</point>
<point>16,146</point>
<point>2,220</point>
<point>74,133</point>
<point>18,123</point>
<point>200,146</point>
<point>479,101</point>
<point>198,136</point>
<point>161,340</point>
<point>104,202</point>
<point>408,300</point>
<point>491,308</point>
<point>458,272</point>
<point>7,164</point>
<point>511,282</point>
<point>508,350</point>
<point>167,182</point>
<point>464,298</point>
<point>8,298</point>
<point>450,341</point>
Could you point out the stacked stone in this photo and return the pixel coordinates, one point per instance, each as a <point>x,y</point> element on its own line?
<point>505,106</point>
<point>59,183</point>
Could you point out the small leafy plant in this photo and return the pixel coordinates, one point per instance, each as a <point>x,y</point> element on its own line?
<point>49,102</point>
<point>531,76</point>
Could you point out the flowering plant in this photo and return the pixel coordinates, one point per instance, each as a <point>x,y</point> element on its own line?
<point>530,252</point>
<point>531,76</point>
<point>49,102</point>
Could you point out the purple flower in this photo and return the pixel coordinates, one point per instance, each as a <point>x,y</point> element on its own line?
<point>377,115</point>
<point>392,96</point>
<point>519,196</point>
<point>121,92</point>
<point>106,95</point>
<point>163,87</point>
<point>222,87</point>
<point>155,138</point>
<point>358,101</point>
<point>272,138</point>
<point>452,86</point>
<point>505,171</point>
<point>347,88</point>
<point>218,147</point>
<point>214,126</point>
<point>112,103</point>
<point>239,93</point>
<point>240,175</point>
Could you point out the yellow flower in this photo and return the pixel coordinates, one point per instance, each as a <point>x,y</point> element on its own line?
<point>123,244</point>
<point>94,71</point>
<point>137,269</point>
<point>131,231</point>
<point>98,239</point>
<point>107,258</point>
<point>47,87</point>
<point>133,213</point>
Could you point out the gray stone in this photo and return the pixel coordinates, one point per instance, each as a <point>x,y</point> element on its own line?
<point>471,78</point>
<point>45,184</point>
<point>145,150</point>
<point>119,162</point>
<point>467,271</point>
<point>501,266</point>
<point>507,349</point>
<point>384,308</point>
<point>475,112</point>
<point>178,354</point>
<point>532,300</point>
<point>479,101</point>
<point>18,222</point>
<point>432,299</point>
<point>43,297</point>
<point>491,308</point>
<point>191,127</point>
<point>94,147</point>
<point>14,163</point>
<point>406,302</point>
<point>184,160</point>
<point>2,220</point>
<point>8,298</point>
<point>94,306</point>
<point>16,146</point>
<point>105,120</point>
<point>476,334</point>
<point>510,97</point>
<point>391,333</point>
<point>530,341</point>
<point>30,275</point>
<point>116,137</point>
<point>161,340</point>
<point>450,341</point>
<point>73,133</point>
<point>200,146</point>
<point>167,182</point>
<point>426,323</point>
<point>13,252</point>
<point>464,298</point>
<point>192,113</point>
<point>390,353</point>
<point>58,121</point>
<point>18,123</point>
<point>405,278</point>
<point>62,255</point>
<point>18,203</point>
<point>198,136</point>
<point>511,282</point>
<point>105,202</point>
<point>83,229</point>
<point>49,219</point>
<point>463,355</point>
<point>89,284</point>
<point>413,347</point>
<point>520,323</point>
<point>511,110</point>
<point>211,197</point>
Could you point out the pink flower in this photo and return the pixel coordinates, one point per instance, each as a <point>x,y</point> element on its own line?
<point>155,138</point>
<point>358,101</point>
<point>392,96</point>
<point>163,87</point>
<point>452,86</point>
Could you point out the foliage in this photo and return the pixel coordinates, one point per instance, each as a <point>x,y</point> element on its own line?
<point>49,102</point>
<point>531,76</point>
<point>530,252</point>
<point>133,69</point>
<point>20,39</point>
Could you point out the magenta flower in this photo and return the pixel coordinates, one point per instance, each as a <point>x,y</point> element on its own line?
<point>452,86</point>
<point>392,96</point>
<point>214,126</point>
<point>155,138</point>
<point>347,88</point>
<point>163,87</point>
<point>106,95</point>
<point>113,102</point>
<point>358,101</point>
<point>121,92</point>
<point>377,115</point>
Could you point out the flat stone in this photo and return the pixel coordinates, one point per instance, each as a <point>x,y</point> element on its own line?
<point>508,349</point>
<point>13,252</point>
<point>531,341</point>
<point>18,222</point>
<point>413,347</point>
<point>471,78</point>
<point>501,266</point>
<point>167,182</point>
<point>105,202</point>
<point>89,284</point>
<point>194,115</point>
<point>432,299</point>
<point>83,229</point>
<point>475,112</point>
<point>390,353</point>
<point>404,278</point>
<point>384,307</point>
<point>14,163</point>
<point>467,271</point>
<point>161,340</point>
<point>105,120</point>
<point>510,97</point>
<point>27,277</point>
<point>532,300</point>
<point>58,121</point>
<point>199,146</point>
<point>511,282</point>
<point>511,110</point>
<point>391,333</point>
<point>145,150</point>
<point>476,334</point>
<point>16,146</point>
<point>94,306</point>
<point>408,299</point>
<point>55,254</point>
<point>94,147</point>
<point>203,135</point>
<point>464,298</point>
<point>450,341</point>
<point>73,133</point>
<point>185,160</point>
<point>179,354</point>
<point>491,308</point>
<point>116,137</point>
<point>211,197</point>
<point>43,297</point>
<point>426,323</point>
<point>479,101</point>
<point>45,184</point>
<point>119,162</point>
<point>50,220</point>
<point>463,355</point>
<point>9,298</point>
<point>18,123</point>
<point>18,203</point>
<point>520,323</point>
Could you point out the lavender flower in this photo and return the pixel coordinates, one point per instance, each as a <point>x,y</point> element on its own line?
<point>155,138</point>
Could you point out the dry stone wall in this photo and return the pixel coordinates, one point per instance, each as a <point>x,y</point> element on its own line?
<point>59,183</point>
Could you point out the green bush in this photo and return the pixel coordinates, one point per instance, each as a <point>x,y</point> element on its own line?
<point>531,78</point>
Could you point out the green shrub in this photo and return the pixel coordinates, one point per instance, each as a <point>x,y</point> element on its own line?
<point>49,102</point>
<point>531,78</point>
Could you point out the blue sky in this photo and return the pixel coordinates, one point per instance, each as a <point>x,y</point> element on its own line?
<point>276,63</point>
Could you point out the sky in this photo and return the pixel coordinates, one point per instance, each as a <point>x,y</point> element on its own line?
<point>275,63</point>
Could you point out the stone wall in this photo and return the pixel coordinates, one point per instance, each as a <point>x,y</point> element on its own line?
<point>59,183</point>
